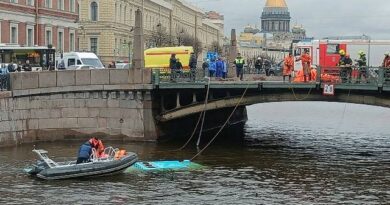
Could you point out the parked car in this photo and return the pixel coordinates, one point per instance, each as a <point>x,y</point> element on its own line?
<point>122,65</point>
<point>277,69</point>
<point>80,67</point>
<point>77,59</point>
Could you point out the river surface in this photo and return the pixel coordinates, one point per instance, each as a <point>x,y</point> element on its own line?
<point>295,153</point>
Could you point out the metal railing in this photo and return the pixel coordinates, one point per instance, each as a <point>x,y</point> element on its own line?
<point>370,76</point>
<point>175,76</point>
<point>354,75</point>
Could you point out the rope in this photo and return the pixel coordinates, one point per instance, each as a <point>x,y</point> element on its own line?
<point>223,126</point>
<point>304,98</point>
<point>203,113</point>
<point>345,108</point>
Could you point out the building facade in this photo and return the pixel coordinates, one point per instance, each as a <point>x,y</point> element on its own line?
<point>216,18</point>
<point>39,23</point>
<point>106,26</point>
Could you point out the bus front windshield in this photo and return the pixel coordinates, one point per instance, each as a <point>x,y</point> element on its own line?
<point>92,62</point>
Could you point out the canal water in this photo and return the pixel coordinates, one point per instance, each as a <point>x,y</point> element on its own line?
<point>294,153</point>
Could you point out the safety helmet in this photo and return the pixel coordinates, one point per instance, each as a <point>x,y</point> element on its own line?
<point>361,53</point>
<point>342,52</point>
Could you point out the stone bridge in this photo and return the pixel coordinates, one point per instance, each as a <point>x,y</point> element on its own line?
<point>136,105</point>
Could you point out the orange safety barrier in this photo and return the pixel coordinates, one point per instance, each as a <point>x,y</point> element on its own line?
<point>299,76</point>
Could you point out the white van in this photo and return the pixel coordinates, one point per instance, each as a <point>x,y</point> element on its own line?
<point>78,60</point>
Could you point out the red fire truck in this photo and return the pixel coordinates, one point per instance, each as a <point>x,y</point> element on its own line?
<point>325,53</point>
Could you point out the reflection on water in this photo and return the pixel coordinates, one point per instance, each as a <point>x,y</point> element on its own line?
<point>296,153</point>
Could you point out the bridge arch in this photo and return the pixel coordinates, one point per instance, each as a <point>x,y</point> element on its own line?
<point>285,95</point>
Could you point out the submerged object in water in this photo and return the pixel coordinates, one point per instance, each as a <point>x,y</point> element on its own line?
<point>164,166</point>
<point>48,169</point>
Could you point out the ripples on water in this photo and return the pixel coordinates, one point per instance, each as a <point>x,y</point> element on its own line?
<point>295,153</point>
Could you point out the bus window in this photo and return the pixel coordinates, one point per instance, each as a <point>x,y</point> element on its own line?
<point>79,62</point>
<point>71,61</point>
<point>333,49</point>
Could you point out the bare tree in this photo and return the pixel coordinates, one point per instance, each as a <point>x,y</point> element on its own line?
<point>160,37</point>
<point>216,47</point>
<point>186,39</point>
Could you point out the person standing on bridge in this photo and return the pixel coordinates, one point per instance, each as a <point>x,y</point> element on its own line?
<point>239,63</point>
<point>212,67</point>
<point>288,67</point>
<point>219,68</point>
<point>172,65</point>
<point>306,64</point>
<point>225,68</point>
<point>386,61</point>
<point>193,64</point>
<point>258,65</point>
<point>362,63</point>
<point>346,66</point>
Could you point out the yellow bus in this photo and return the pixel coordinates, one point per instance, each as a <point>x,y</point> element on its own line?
<point>158,58</point>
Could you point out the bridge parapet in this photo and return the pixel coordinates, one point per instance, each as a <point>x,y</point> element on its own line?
<point>32,83</point>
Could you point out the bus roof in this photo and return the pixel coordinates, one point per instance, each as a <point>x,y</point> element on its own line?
<point>170,49</point>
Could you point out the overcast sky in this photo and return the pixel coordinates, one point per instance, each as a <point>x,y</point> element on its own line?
<point>321,18</point>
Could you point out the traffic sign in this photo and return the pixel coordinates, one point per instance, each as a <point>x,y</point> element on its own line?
<point>328,89</point>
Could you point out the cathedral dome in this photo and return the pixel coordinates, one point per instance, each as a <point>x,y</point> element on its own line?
<point>276,3</point>
<point>275,17</point>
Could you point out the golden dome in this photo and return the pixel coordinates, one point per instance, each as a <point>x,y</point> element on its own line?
<point>276,3</point>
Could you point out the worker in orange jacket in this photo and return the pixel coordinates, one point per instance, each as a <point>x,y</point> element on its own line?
<point>288,67</point>
<point>386,61</point>
<point>306,64</point>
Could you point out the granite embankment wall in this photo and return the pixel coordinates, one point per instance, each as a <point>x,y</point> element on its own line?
<point>51,105</point>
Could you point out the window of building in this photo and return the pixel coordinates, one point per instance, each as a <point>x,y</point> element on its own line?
<point>120,13</point>
<point>13,1</point>
<point>94,11</point>
<point>60,44</point>
<point>94,45</point>
<point>14,34</point>
<point>116,9</point>
<point>48,37</point>
<point>48,3</point>
<point>124,15</point>
<point>71,6</point>
<point>131,16</point>
<point>71,42</point>
<point>60,4</point>
<point>30,37</point>
<point>30,2</point>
